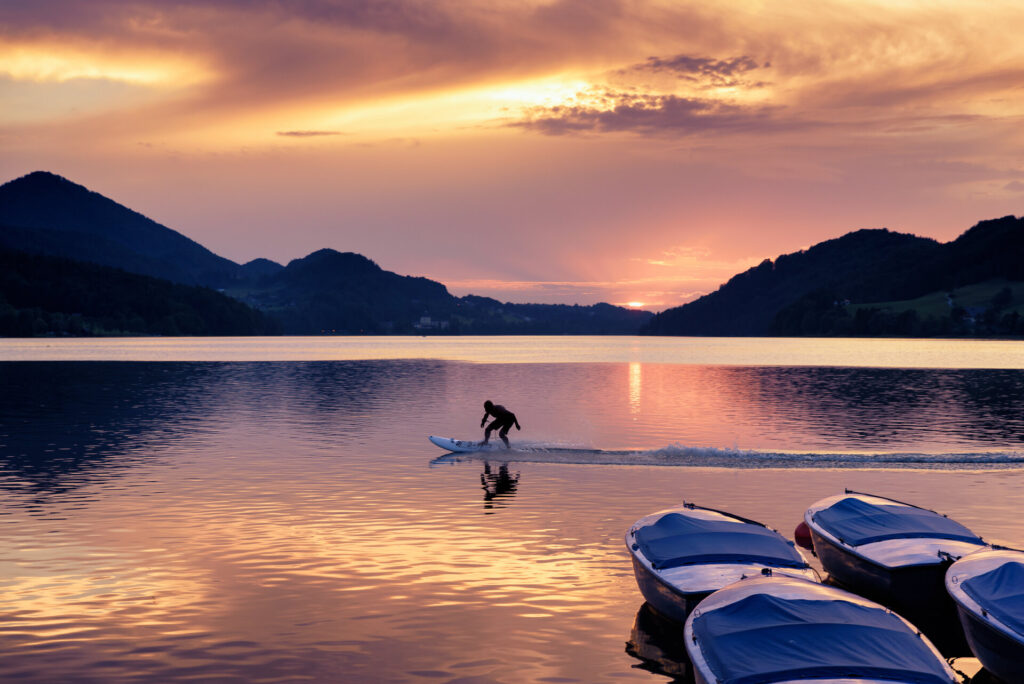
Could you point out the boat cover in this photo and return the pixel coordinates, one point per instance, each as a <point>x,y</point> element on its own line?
<point>1001,593</point>
<point>855,521</point>
<point>676,539</point>
<point>764,638</point>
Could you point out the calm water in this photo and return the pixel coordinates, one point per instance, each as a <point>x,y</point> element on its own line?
<point>270,510</point>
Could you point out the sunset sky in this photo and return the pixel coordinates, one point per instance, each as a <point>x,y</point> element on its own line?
<point>553,151</point>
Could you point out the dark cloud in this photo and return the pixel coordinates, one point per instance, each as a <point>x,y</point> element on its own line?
<point>648,114</point>
<point>31,18</point>
<point>698,73</point>
<point>306,134</point>
<point>718,72</point>
<point>386,16</point>
<point>1014,186</point>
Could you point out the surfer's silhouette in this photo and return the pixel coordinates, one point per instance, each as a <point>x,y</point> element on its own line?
<point>503,420</point>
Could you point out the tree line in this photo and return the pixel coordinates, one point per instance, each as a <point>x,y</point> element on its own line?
<point>45,295</point>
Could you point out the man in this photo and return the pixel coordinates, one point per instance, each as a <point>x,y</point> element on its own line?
<point>503,420</point>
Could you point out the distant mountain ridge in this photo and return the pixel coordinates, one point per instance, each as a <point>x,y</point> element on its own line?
<point>808,292</point>
<point>329,291</point>
<point>861,283</point>
<point>47,214</point>
<point>325,292</point>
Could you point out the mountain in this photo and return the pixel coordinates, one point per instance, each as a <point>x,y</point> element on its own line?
<point>46,295</point>
<point>748,302</point>
<point>329,291</point>
<point>325,292</point>
<point>346,293</point>
<point>868,282</point>
<point>990,249</point>
<point>258,268</point>
<point>829,288</point>
<point>46,214</point>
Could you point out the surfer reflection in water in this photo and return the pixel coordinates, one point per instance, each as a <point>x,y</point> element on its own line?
<point>503,420</point>
<point>497,484</point>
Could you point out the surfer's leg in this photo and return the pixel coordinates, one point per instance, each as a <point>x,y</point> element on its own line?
<point>487,432</point>
<point>503,433</point>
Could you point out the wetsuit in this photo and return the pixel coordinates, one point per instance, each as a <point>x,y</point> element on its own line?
<point>503,420</point>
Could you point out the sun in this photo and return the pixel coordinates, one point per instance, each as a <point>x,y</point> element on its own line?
<point>634,305</point>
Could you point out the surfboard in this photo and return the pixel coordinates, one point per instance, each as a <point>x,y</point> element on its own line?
<point>460,445</point>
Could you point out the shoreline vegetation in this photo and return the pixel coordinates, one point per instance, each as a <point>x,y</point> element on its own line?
<point>872,283</point>
<point>74,263</point>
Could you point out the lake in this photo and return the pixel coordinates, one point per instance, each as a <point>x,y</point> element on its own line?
<point>269,509</point>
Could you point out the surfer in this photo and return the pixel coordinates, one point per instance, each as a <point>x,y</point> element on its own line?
<point>503,420</point>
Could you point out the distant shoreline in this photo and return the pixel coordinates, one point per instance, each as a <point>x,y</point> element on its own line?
<point>503,349</point>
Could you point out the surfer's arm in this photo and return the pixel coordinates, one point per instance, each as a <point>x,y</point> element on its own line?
<point>483,420</point>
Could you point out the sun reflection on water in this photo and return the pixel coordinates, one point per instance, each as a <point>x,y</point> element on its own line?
<point>636,379</point>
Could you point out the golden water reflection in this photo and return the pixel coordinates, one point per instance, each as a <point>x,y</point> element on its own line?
<point>636,381</point>
<point>273,522</point>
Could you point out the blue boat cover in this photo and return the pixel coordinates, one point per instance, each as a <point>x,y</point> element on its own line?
<point>1001,593</point>
<point>676,539</point>
<point>855,522</point>
<point>764,638</point>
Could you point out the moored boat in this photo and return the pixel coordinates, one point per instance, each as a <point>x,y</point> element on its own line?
<point>894,553</point>
<point>988,589</point>
<point>783,630</point>
<point>681,555</point>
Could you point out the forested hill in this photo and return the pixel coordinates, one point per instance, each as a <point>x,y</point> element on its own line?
<point>866,282</point>
<point>45,295</point>
<point>45,213</point>
<point>346,293</point>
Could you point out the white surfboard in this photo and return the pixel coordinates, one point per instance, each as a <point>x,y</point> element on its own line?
<point>460,444</point>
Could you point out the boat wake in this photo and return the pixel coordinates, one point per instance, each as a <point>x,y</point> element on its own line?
<point>691,456</point>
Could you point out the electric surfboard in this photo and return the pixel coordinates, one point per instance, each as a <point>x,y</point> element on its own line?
<point>462,445</point>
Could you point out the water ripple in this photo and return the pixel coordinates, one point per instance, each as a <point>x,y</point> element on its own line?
<point>281,522</point>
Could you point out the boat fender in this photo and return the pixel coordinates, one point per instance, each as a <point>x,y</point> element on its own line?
<point>802,536</point>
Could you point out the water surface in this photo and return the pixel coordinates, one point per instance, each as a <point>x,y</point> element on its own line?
<point>746,351</point>
<point>287,520</point>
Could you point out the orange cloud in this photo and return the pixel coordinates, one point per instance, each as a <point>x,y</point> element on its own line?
<point>657,69</point>
<point>57,61</point>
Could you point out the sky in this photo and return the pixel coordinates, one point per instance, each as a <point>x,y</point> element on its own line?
<point>564,151</point>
